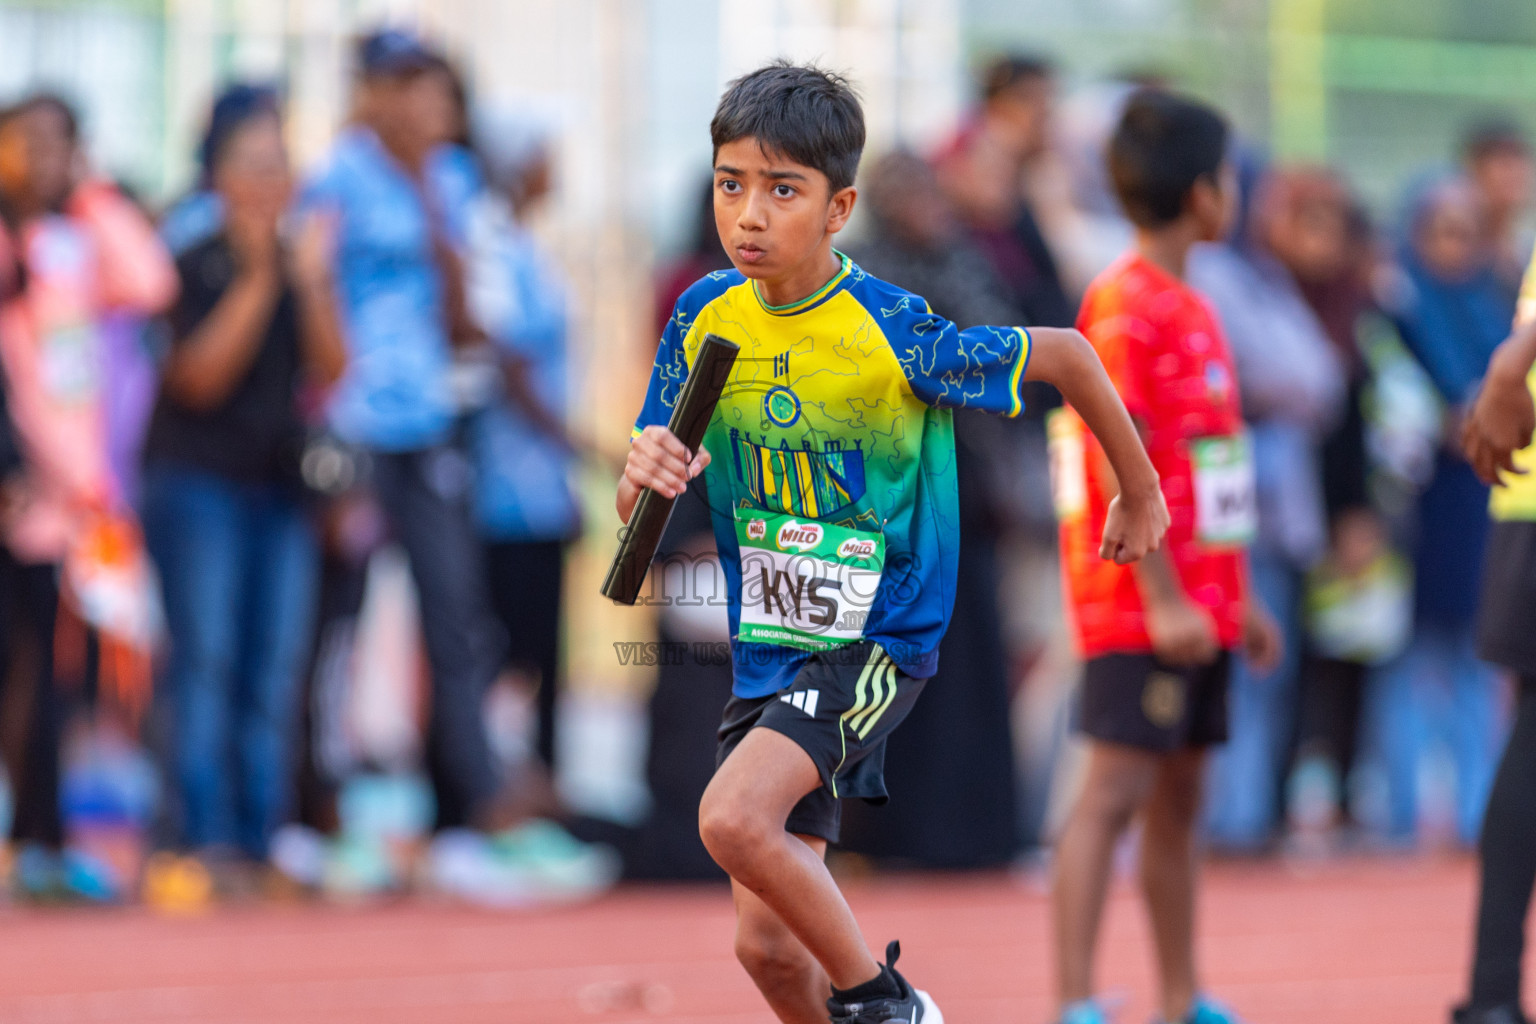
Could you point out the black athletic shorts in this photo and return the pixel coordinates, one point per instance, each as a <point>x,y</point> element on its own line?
<point>1506,633</point>
<point>840,708</point>
<point>1138,701</point>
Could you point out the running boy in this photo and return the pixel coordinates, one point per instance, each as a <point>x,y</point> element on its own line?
<point>1157,636</point>
<point>831,478</point>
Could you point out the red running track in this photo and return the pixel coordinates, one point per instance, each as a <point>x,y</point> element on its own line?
<point>1362,942</point>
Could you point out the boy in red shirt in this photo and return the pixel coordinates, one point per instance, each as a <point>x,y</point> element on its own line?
<point>1157,636</point>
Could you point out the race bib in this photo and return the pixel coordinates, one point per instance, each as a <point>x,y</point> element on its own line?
<point>803,583</point>
<point>1226,506</point>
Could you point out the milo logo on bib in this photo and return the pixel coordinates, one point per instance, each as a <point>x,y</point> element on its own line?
<point>806,584</point>
<point>852,548</point>
<point>799,536</point>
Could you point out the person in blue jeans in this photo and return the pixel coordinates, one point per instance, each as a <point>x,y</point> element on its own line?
<point>224,509</point>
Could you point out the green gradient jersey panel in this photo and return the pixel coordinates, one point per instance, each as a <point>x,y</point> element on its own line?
<point>838,411</point>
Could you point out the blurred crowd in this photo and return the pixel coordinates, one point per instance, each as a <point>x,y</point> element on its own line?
<point>227,426</point>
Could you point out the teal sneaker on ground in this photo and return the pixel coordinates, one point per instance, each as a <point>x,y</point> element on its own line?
<point>88,877</point>
<point>41,875</point>
<point>1089,1011</point>
<point>1208,1011</point>
<point>565,868</point>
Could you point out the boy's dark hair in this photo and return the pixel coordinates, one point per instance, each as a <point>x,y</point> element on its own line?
<point>1006,72</point>
<point>1162,146</point>
<point>809,115</point>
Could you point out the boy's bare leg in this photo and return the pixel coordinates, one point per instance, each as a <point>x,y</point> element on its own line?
<point>1168,871</point>
<point>793,983</point>
<point>741,820</point>
<point>1119,781</point>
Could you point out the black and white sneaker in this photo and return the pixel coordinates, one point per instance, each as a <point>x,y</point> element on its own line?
<point>913,1006</point>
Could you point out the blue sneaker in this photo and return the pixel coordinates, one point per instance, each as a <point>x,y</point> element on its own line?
<point>1089,1011</point>
<point>42,875</point>
<point>1208,1011</point>
<point>87,877</point>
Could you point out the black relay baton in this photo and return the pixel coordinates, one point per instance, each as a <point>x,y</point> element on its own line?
<point>690,417</point>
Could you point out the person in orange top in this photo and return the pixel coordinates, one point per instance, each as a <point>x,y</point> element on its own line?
<point>1158,635</point>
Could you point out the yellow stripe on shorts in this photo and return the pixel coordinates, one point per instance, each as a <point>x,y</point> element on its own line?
<point>890,695</point>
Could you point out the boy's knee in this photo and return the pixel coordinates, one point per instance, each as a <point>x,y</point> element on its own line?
<point>1176,807</point>
<point>1112,802</point>
<point>775,961</point>
<point>1179,792</point>
<point>730,833</point>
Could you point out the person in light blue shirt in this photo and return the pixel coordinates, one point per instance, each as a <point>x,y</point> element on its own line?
<point>395,196</point>
<point>525,505</point>
<point>396,394</point>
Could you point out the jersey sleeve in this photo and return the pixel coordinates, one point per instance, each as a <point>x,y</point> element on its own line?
<point>667,375</point>
<point>977,368</point>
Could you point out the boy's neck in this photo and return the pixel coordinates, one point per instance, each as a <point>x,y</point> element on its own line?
<point>805,280</point>
<point>1167,247</point>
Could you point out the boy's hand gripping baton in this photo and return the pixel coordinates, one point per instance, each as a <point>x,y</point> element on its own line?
<point>690,417</point>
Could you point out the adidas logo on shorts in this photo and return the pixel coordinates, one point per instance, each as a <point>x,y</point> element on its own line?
<point>805,700</point>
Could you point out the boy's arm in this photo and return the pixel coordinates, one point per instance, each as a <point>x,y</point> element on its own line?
<point>1503,416</point>
<point>1181,631</point>
<point>1138,515</point>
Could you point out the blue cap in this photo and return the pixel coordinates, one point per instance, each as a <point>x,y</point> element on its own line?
<point>394,51</point>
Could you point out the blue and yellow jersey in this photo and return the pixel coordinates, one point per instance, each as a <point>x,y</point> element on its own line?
<point>1515,496</point>
<point>837,417</point>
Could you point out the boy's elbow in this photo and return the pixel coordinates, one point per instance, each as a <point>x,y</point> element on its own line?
<point>1059,355</point>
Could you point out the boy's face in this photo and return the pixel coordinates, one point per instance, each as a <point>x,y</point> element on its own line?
<point>1214,203</point>
<point>772,213</point>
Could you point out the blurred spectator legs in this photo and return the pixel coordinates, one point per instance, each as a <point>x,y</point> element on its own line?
<point>1439,693</point>
<point>238,571</point>
<point>1332,696</point>
<point>29,601</point>
<point>1245,775</point>
<point>321,767</point>
<point>527,595</point>
<point>424,495</point>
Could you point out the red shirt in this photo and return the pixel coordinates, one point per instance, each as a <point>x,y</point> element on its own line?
<point>1168,359</point>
